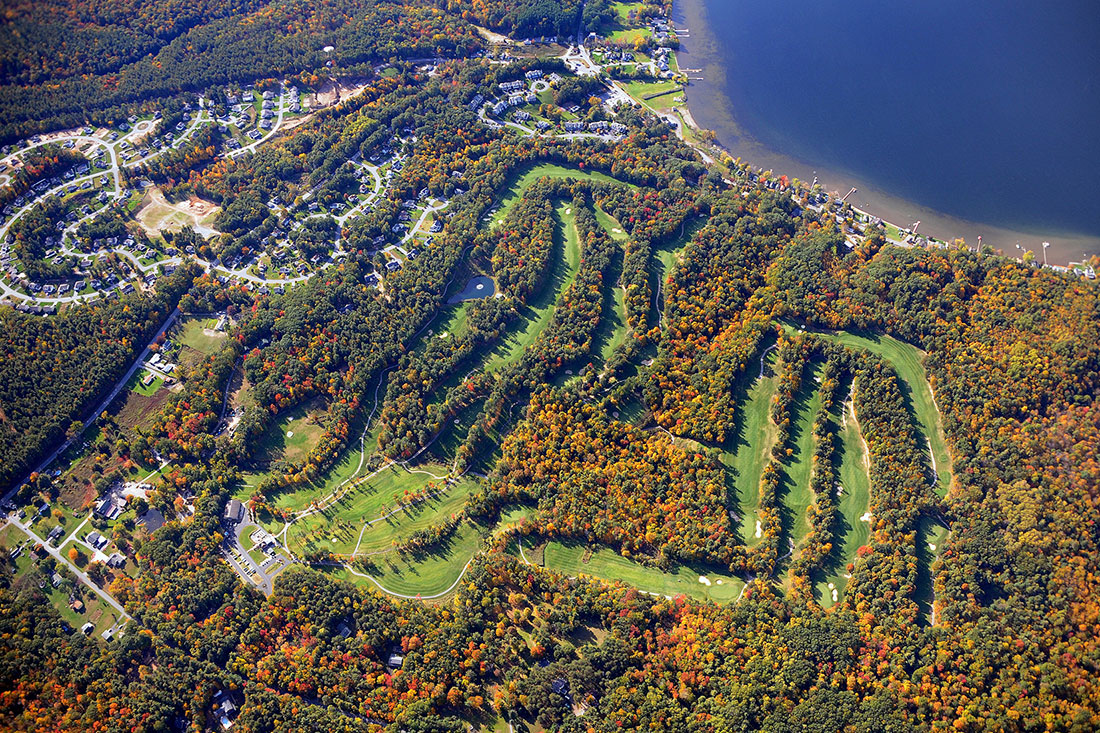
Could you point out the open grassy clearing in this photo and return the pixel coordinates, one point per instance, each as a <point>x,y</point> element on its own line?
<point>851,530</point>
<point>132,409</point>
<point>445,447</point>
<point>514,516</point>
<point>351,461</point>
<point>337,528</point>
<point>291,436</point>
<point>796,495</point>
<point>515,187</point>
<point>663,96</point>
<point>611,225</point>
<point>908,361</point>
<point>613,329</point>
<point>612,332</point>
<point>425,575</point>
<point>137,383</point>
<point>431,572</point>
<point>453,321</point>
<point>624,29</point>
<point>198,334</point>
<point>751,449</point>
<point>382,536</point>
<point>566,260</point>
<point>932,536</point>
<point>604,563</point>
<point>644,90</point>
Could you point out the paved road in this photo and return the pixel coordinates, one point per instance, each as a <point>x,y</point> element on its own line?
<point>102,405</point>
<point>267,578</point>
<point>81,575</point>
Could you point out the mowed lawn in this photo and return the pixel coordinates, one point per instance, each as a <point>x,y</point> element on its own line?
<point>536,317</point>
<point>137,383</point>
<point>753,449</point>
<point>855,500</point>
<point>515,187</point>
<point>797,496</point>
<point>932,535</point>
<point>290,438</point>
<point>908,362</point>
<point>430,574</point>
<point>193,333</point>
<point>381,536</point>
<point>611,225</point>
<point>95,610</point>
<point>612,331</point>
<point>337,529</point>
<point>606,564</point>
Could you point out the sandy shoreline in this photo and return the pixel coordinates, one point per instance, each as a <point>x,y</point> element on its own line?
<point>698,50</point>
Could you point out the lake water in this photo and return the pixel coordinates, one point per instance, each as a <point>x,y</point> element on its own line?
<point>975,118</point>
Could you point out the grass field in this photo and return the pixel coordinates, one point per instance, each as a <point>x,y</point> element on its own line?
<point>446,445</point>
<point>931,538</point>
<point>855,500</point>
<point>611,225</point>
<point>752,448</point>
<point>796,495</point>
<point>607,564</point>
<point>427,575</point>
<point>640,90</point>
<point>519,182</point>
<point>137,385</point>
<point>132,409</point>
<point>290,437</point>
<point>622,29</point>
<point>566,262</point>
<point>343,470</point>
<point>629,35</point>
<point>612,331</point>
<point>453,320</point>
<point>337,528</point>
<point>191,332</point>
<point>908,361</point>
<point>381,536</point>
<point>666,255</point>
